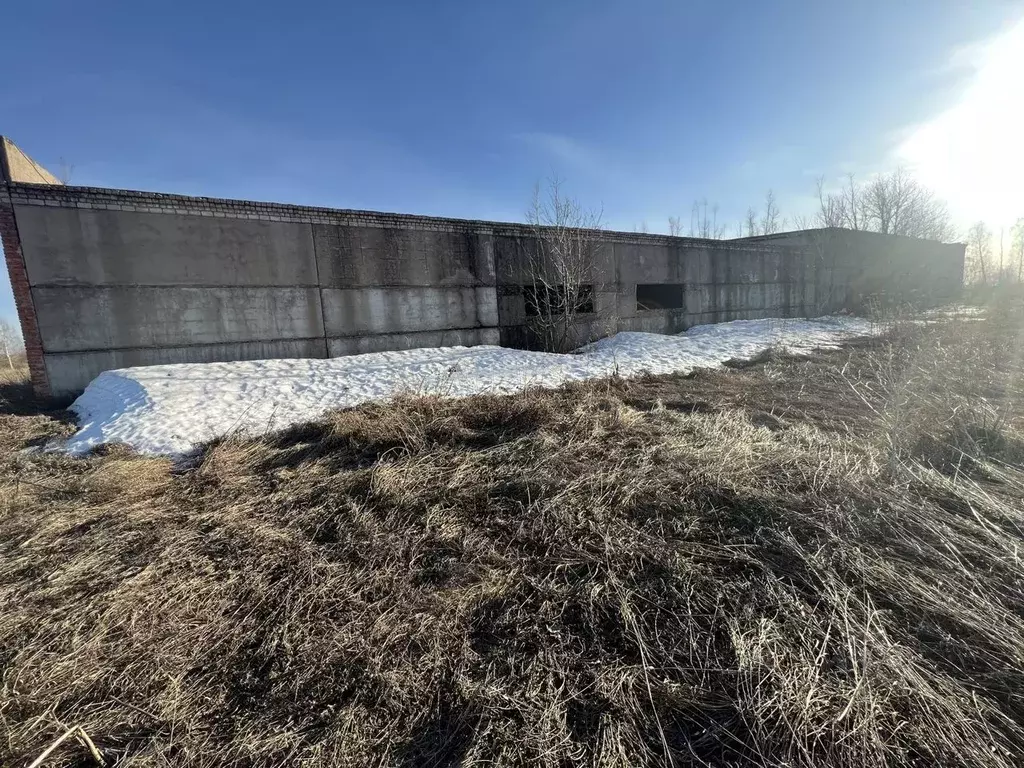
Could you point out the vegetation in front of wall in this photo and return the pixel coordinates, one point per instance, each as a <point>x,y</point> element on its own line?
<point>801,562</point>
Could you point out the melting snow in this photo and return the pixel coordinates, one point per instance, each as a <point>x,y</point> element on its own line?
<point>169,409</point>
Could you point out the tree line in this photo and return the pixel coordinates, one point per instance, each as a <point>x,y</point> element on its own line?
<point>893,203</point>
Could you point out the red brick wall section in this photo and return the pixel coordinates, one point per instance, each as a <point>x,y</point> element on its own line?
<point>23,298</point>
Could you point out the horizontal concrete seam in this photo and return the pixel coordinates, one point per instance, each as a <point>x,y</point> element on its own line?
<point>201,345</point>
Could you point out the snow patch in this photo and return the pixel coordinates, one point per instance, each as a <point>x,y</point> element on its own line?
<point>170,409</point>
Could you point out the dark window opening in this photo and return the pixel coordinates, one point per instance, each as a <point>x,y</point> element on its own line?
<point>556,300</point>
<point>659,296</point>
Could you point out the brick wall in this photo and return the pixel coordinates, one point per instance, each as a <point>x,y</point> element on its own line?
<point>22,294</point>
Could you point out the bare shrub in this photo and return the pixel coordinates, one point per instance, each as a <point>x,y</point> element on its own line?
<point>951,397</point>
<point>558,264</point>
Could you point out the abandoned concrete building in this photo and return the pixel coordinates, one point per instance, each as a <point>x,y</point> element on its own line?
<point>108,278</point>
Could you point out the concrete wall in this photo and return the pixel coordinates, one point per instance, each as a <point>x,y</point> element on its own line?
<point>852,269</point>
<point>116,278</point>
<point>112,278</point>
<point>720,281</point>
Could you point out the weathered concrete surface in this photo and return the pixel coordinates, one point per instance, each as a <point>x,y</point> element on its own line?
<point>66,370</point>
<point>96,318</point>
<point>464,337</point>
<point>69,246</point>
<point>373,256</point>
<point>360,311</point>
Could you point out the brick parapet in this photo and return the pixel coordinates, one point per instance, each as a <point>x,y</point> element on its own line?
<point>23,303</point>
<point>159,202</point>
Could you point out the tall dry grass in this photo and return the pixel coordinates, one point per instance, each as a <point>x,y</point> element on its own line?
<point>799,563</point>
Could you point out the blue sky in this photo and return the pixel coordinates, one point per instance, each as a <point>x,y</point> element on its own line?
<point>458,108</point>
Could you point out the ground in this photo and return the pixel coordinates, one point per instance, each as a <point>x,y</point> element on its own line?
<point>793,561</point>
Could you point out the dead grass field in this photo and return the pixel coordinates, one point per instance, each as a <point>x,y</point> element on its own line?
<point>793,563</point>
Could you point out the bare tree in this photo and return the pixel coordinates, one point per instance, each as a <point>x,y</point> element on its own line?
<point>675,226</point>
<point>897,204</point>
<point>1017,248</point>
<point>559,265</point>
<point>750,223</point>
<point>892,203</point>
<point>1002,262</point>
<point>770,219</point>
<point>833,208</point>
<point>10,340</point>
<point>704,223</point>
<point>853,204</point>
<point>64,171</point>
<point>979,253</point>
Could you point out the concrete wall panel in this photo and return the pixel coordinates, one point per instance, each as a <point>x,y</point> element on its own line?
<point>376,256</point>
<point>69,246</point>
<point>697,266</point>
<point>92,318</point>
<point>697,299</point>
<point>744,266</point>
<point>355,312</point>
<point>774,295</point>
<point>771,267</point>
<point>644,264</point>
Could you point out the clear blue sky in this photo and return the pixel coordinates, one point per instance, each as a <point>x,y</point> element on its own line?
<point>458,108</point>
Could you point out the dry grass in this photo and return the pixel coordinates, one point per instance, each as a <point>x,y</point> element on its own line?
<point>798,563</point>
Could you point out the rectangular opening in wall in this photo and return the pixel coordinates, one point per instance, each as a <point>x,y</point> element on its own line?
<point>547,300</point>
<point>659,296</point>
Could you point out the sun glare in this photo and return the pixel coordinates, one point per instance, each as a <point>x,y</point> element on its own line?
<point>973,153</point>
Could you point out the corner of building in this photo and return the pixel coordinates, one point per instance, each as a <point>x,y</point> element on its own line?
<point>14,165</point>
